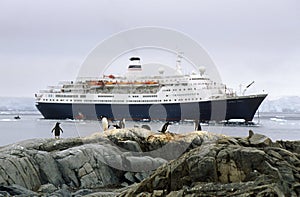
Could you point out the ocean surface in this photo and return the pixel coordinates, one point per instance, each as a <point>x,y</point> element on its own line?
<point>277,126</point>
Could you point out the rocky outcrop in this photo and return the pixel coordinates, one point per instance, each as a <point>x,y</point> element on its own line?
<point>139,162</point>
<point>116,158</point>
<point>252,166</point>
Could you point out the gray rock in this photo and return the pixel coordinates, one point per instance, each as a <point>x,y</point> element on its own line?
<point>47,188</point>
<point>17,190</point>
<point>102,194</point>
<point>197,141</point>
<point>176,193</point>
<point>145,163</point>
<point>4,194</point>
<point>130,177</point>
<point>124,184</point>
<point>85,169</point>
<point>226,168</point>
<point>48,168</point>
<point>200,162</point>
<point>17,167</point>
<point>141,175</point>
<point>90,181</point>
<point>82,192</point>
<point>63,192</point>
<point>146,126</point>
<point>258,139</point>
<point>130,146</point>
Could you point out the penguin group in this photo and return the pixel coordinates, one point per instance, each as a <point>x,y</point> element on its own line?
<point>166,126</point>
<point>106,125</point>
<point>164,129</point>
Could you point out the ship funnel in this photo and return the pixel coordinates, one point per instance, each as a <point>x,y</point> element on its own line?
<point>134,67</point>
<point>135,64</point>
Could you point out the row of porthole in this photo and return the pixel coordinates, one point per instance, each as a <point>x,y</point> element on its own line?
<point>56,100</point>
<point>165,100</point>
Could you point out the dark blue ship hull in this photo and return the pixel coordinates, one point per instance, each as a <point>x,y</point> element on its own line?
<point>236,108</point>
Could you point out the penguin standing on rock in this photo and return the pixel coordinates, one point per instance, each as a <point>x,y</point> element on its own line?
<point>116,126</point>
<point>165,127</point>
<point>57,130</point>
<point>122,123</point>
<point>197,125</point>
<point>104,123</point>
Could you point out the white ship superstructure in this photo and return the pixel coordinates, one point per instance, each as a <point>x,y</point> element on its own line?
<point>138,92</point>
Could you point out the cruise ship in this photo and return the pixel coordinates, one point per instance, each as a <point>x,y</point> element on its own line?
<point>135,96</point>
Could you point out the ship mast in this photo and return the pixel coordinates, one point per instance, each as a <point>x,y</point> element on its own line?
<point>178,62</point>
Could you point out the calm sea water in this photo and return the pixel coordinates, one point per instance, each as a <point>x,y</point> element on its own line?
<point>277,126</point>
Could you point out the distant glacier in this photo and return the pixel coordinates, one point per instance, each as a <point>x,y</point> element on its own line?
<point>288,104</point>
<point>17,104</point>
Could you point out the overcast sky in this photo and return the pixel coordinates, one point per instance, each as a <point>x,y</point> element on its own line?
<point>45,41</point>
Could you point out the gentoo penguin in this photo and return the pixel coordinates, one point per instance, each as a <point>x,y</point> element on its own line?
<point>165,127</point>
<point>122,123</point>
<point>197,125</point>
<point>116,126</point>
<point>57,130</point>
<point>104,123</point>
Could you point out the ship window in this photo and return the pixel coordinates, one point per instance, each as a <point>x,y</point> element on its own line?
<point>135,66</point>
<point>105,96</point>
